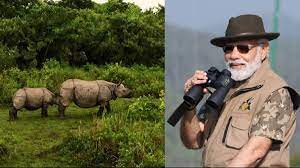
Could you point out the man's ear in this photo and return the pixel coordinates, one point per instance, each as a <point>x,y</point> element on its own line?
<point>265,51</point>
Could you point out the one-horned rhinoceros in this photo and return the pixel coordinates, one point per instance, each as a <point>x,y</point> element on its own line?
<point>88,94</point>
<point>32,99</point>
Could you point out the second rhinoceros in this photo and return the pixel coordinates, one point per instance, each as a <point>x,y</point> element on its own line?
<point>32,99</point>
<point>88,94</point>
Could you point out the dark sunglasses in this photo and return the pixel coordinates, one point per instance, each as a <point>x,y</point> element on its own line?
<point>242,48</point>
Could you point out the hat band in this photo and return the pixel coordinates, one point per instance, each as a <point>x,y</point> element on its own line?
<point>246,33</point>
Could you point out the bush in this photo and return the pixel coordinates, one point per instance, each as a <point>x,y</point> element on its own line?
<point>140,144</point>
<point>119,140</point>
<point>141,79</point>
<point>7,57</point>
<point>146,108</point>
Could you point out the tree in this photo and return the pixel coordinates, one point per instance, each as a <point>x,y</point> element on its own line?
<point>12,8</point>
<point>77,4</point>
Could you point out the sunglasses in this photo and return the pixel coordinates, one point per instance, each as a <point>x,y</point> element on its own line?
<point>242,48</point>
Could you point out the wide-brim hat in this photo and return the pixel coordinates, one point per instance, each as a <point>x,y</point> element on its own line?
<point>244,27</point>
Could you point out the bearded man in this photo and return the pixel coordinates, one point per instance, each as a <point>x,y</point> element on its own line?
<point>257,120</point>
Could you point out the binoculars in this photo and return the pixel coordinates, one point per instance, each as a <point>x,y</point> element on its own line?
<point>221,81</point>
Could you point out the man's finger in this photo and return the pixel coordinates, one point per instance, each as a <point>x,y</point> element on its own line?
<point>195,82</point>
<point>201,77</point>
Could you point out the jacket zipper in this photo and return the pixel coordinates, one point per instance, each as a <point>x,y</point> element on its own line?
<point>244,90</point>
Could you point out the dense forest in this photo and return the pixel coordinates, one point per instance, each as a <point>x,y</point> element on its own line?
<point>79,32</point>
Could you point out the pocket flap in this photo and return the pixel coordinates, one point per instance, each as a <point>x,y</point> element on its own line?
<point>237,134</point>
<point>240,123</point>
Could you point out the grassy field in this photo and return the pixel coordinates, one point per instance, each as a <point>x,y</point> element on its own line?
<point>28,142</point>
<point>30,135</point>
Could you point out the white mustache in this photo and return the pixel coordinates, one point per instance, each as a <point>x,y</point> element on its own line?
<point>239,61</point>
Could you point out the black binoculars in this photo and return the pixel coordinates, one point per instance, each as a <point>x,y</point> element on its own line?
<point>221,81</point>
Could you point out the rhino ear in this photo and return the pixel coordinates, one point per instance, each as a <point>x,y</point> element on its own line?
<point>119,83</point>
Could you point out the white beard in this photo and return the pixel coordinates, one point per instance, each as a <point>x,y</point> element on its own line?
<point>247,71</point>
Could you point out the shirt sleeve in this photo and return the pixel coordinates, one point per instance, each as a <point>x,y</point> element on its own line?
<point>273,119</point>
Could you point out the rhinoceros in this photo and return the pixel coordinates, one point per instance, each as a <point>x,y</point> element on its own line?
<point>88,94</point>
<point>32,99</point>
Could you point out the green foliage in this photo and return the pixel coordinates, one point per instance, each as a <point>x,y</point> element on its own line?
<point>143,80</point>
<point>3,149</point>
<point>102,33</point>
<point>77,4</point>
<point>7,57</point>
<point>12,8</point>
<point>146,108</point>
<point>147,81</point>
<point>121,140</point>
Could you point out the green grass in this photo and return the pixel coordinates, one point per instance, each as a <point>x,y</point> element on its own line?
<point>30,135</point>
<point>32,141</point>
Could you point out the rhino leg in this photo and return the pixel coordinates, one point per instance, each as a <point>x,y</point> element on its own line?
<point>100,112</point>
<point>107,106</point>
<point>45,110</point>
<point>12,114</point>
<point>101,109</point>
<point>61,110</point>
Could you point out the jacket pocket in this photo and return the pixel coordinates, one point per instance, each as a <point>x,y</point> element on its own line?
<point>236,135</point>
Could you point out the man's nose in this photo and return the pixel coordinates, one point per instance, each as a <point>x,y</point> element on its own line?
<point>235,54</point>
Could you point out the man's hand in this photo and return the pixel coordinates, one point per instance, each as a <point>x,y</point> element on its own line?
<point>255,149</point>
<point>199,77</point>
<point>191,128</point>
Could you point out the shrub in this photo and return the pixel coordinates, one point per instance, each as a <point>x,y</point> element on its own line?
<point>132,145</point>
<point>146,108</point>
<point>120,140</point>
<point>7,57</point>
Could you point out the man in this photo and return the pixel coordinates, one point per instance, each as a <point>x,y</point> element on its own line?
<point>257,121</point>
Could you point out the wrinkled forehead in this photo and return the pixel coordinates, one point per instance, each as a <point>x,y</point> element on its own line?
<point>244,42</point>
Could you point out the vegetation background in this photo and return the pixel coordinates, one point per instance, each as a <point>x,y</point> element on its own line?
<point>43,43</point>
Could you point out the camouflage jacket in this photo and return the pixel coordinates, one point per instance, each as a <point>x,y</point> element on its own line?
<point>261,106</point>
